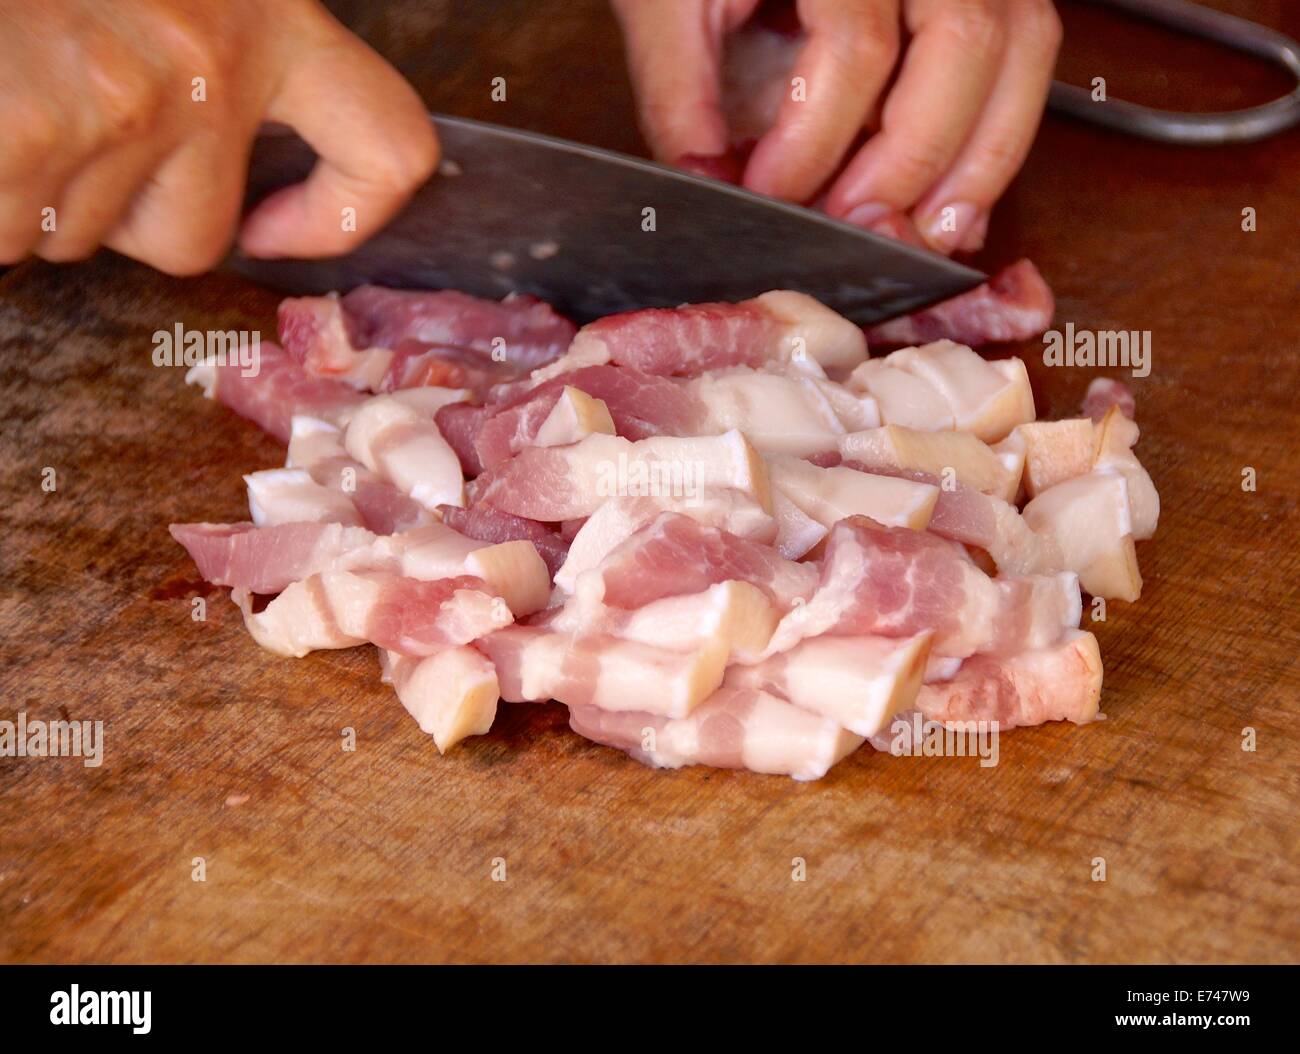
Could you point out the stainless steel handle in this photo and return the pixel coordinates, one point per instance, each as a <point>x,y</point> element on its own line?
<point>1202,129</point>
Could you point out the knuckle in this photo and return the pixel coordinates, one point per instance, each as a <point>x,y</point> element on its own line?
<point>198,252</point>
<point>409,161</point>
<point>867,35</point>
<point>976,25</point>
<point>195,45</point>
<point>31,133</point>
<point>1000,153</point>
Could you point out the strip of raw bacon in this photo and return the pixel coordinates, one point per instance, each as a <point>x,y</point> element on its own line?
<point>490,525</point>
<point>895,582</point>
<point>1016,304</point>
<point>964,514</point>
<point>383,339</point>
<point>279,390</point>
<point>552,484</point>
<point>341,609</point>
<point>857,682</point>
<point>451,695</point>
<point>1058,683</point>
<point>779,326</point>
<point>620,518</point>
<point>677,555</point>
<point>640,406</point>
<point>972,462</point>
<point>534,664</point>
<point>267,559</point>
<point>735,728</point>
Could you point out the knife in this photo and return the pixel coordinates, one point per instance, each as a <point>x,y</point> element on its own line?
<point>593,232</point>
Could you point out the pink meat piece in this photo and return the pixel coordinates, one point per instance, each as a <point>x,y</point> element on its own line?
<point>267,559</point>
<point>442,337</point>
<point>963,514</point>
<point>896,582</point>
<point>690,339</point>
<point>382,507</point>
<point>341,609</point>
<point>1058,683</point>
<point>1016,304</point>
<point>735,728</point>
<point>279,390</point>
<point>413,617</point>
<point>459,424</point>
<point>677,555</point>
<point>1105,392</point>
<point>639,404</point>
<point>490,525</point>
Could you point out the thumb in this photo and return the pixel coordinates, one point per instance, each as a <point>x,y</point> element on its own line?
<point>375,142</point>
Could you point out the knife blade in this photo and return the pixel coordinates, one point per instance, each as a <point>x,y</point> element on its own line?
<point>594,232</point>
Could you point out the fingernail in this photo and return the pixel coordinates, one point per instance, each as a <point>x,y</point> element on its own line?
<point>951,226</point>
<point>974,240</point>
<point>866,214</point>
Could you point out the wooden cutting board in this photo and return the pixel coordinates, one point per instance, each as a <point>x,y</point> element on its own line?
<point>219,751</point>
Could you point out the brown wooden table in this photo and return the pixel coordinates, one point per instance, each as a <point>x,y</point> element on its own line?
<point>215,749</point>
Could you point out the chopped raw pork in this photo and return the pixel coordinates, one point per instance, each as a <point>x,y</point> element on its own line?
<point>945,385</point>
<point>292,495</point>
<point>568,483</point>
<point>717,533</point>
<point>1015,304</point>
<point>1105,392</point>
<point>451,695</point>
<point>971,462</point>
<point>737,614</point>
<point>341,609</point>
<point>317,446</point>
<point>639,406</point>
<point>268,559</point>
<point>276,392</point>
<point>490,525</point>
<point>619,518</point>
<point>781,326</point>
<point>676,555</point>
<point>857,682</point>
<point>1061,682</point>
<point>895,582</point>
<point>535,664</point>
<point>827,495</point>
<point>1089,519</point>
<point>402,443</point>
<point>386,339</point>
<point>736,728</point>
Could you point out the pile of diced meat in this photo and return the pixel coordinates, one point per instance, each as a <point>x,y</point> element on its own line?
<point>718,534</point>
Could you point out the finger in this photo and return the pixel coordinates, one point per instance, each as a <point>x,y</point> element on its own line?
<point>836,81</point>
<point>674,58</point>
<point>98,197</point>
<point>947,75</point>
<point>375,142</point>
<point>1005,131</point>
<point>33,173</point>
<point>182,219</point>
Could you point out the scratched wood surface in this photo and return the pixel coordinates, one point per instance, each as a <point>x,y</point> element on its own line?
<point>215,749</point>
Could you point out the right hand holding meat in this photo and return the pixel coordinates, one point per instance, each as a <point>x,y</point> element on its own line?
<point>128,124</point>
